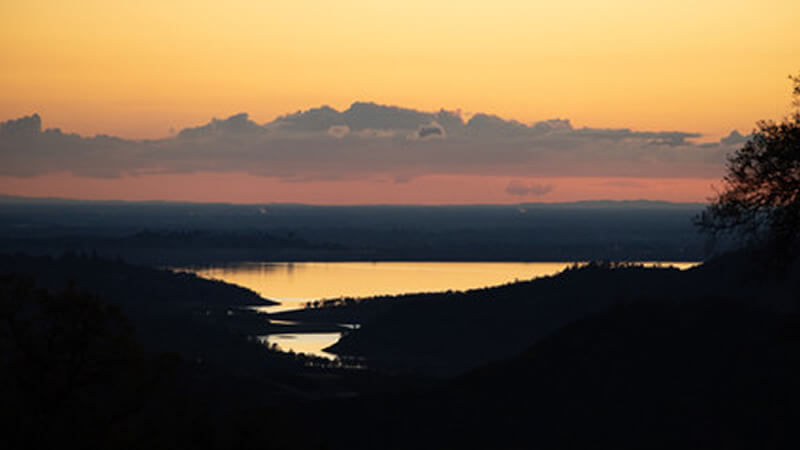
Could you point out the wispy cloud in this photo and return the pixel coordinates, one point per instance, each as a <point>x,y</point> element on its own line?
<point>517,187</point>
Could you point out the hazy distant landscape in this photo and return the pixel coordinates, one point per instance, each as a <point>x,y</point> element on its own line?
<point>166,233</point>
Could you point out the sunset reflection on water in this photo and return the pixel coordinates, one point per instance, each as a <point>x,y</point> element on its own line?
<point>294,284</point>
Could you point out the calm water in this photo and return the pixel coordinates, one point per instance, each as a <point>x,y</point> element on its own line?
<point>293,284</point>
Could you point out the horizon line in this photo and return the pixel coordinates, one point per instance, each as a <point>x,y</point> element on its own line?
<point>7,198</point>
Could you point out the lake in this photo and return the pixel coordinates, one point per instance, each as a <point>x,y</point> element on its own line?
<point>294,284</point>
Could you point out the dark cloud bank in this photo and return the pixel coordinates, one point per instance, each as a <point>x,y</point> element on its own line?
<point>368,139</point>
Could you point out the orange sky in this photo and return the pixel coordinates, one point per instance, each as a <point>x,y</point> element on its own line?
<point>428,190</point>
<point>137,69</point>
<point>141,69</point>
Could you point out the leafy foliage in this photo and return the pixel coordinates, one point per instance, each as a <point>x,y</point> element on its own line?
<point>761,197</point>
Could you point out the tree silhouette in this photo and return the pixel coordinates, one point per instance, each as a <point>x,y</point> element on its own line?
<point>760,201</point>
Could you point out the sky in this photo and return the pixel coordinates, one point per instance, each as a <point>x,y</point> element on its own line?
<point>146,70</point>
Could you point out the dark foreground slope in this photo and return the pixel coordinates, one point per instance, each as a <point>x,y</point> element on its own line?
<point>703,374</point>
<point>102,354</point>
<point>201,321</point>
<point>617,357</point>
<point>73,375</point>
<point>172,311</point>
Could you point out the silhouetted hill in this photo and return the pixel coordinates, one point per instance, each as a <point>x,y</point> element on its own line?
<point>711,373</point>
<point>448,333</point>
<point>73,375</point>
<point>602,355</point>
<point>129,284</point>
<point>171,312</point>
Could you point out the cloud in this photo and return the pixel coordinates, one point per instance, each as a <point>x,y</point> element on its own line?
<point>236,124</point>
<point>486,125</point>
<point>430,131</point>
<point>734,138</point>
<point>316,119</point>
<point>368,139</point>
<point>339,131</point>
<point>25,126</point>
<point>516,187</point>
<point>365,116</point>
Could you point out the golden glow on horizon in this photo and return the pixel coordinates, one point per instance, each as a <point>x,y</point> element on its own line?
<point>139,69</point>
